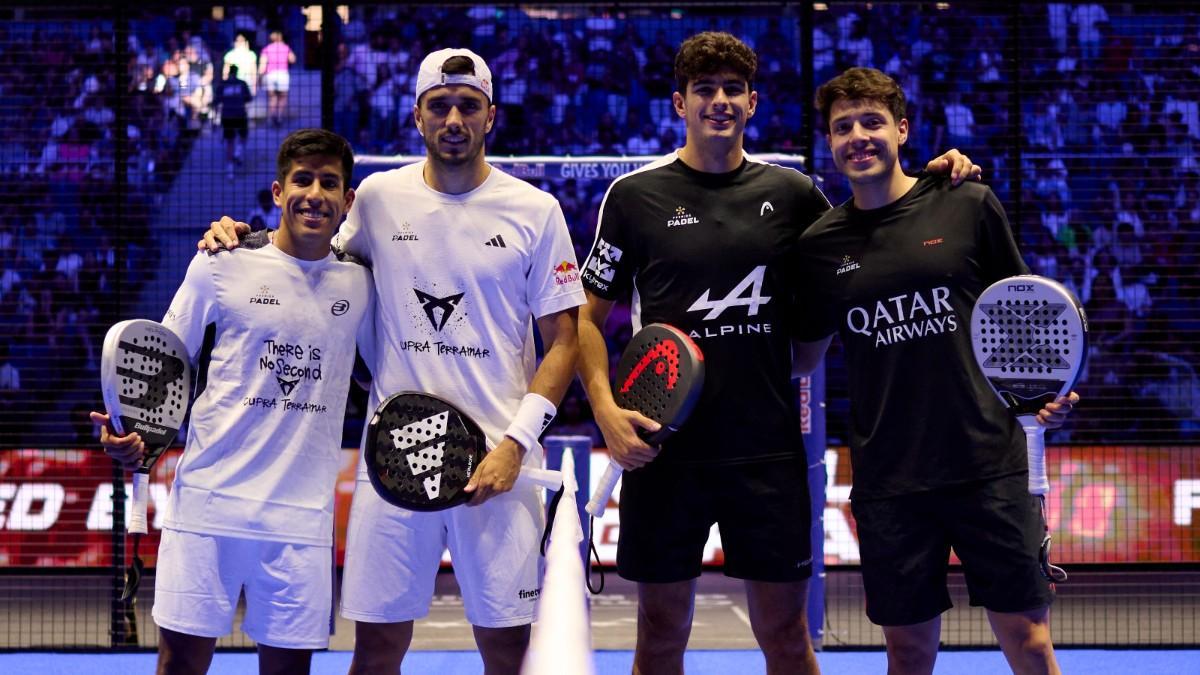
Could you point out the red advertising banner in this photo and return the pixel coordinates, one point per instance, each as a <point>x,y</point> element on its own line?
<point>1108,504</point>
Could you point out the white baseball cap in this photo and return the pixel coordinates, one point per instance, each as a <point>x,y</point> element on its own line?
<point>430,75</point>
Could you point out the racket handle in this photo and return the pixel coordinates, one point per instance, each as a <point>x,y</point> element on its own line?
<point>547,478</point>
<point>604,489</point>
<point>1035,447</point>
<point>141,497</point>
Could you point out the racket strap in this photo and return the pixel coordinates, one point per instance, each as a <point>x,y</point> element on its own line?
<point>1052,573</point>
<point>550,511</point>
<point>593,554</point>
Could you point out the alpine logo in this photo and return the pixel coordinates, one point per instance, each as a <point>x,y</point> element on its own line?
<point>847,265</point>
<point>566,272</point>
<point>286,386</point>
<point>405,233</point>
<point>497,241</point>
<point>682,217</point>
<point>747,293</point>
<point>762,210</point>
<point>438,309</point>
<point>428,458</point>
<point>264,297</point>
<point>601,265</point>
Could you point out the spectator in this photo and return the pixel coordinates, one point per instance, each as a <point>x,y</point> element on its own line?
<point>273,66</point>
<point>241,56</point>
<point>233,95</point>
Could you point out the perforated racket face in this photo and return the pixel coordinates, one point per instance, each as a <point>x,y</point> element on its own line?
<point>146,382</point>
<point>660,375</point>
<point>1029,334</point>
<point>421,452</point>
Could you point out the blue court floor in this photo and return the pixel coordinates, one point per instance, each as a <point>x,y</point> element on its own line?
<point>1089,661</point>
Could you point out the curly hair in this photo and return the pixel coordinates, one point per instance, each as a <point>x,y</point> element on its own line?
<point>709,53</point>
<point>861,84</point>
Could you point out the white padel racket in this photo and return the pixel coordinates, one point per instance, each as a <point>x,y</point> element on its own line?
<point>1029,335</point>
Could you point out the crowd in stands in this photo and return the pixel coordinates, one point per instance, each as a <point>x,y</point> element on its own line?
<point>1090,142</point>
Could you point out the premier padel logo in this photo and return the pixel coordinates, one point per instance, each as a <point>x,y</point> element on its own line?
<point>682,217</point>
<point>602,265</point>
<point>264,297</point>
<point>424,443</point>
<point>848,265</point>
<point>405,233</point>
<point>438,310</point>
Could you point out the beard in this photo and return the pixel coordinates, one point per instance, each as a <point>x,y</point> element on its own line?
<point>471,151</point>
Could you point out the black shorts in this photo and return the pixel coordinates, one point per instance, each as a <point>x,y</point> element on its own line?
<point>235,126</point>
<point>995,528</point>
<point>762,509</point>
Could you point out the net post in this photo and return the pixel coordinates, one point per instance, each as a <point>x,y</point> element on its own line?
<point>580,448</point>
<point>812,427</point>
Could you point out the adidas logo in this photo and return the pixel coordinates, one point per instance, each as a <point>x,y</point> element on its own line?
<point>497,241</point>
<point>429,458</point>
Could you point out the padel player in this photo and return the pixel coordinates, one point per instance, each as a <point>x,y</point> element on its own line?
<point>464,257</point>
<point>938,462</point>
<point>702,238</point>
<point>251,506</point>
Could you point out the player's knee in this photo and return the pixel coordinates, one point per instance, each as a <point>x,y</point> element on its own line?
<point>910,656</point>
<point>664,623</point>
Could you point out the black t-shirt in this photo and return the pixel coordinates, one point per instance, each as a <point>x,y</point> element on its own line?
<point>898,284</point>
<point>233,95</point>
<point>709,254</point>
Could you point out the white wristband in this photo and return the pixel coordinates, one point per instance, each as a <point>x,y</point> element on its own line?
<point>533,416</point>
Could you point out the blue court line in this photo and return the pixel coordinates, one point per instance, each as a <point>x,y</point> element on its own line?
<point>1090,661</point>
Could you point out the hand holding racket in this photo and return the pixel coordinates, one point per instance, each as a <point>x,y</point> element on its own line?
<point>660,375</point>
<point>146,382</point>
<point>1029,335</point>
<point>422,451</point>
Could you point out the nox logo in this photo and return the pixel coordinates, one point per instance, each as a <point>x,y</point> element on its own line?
<point>422,457</point>
<point>753,282</point>
<point>1021,288</point>
<point>438,309</point>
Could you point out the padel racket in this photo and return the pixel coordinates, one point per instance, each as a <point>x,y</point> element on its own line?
<point>146,382</point>
<point>660,374</point>
<point>421,452</point>
<point>1029,335</point>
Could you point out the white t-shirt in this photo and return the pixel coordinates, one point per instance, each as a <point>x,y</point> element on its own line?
<point>459,279</point>
<point>264,440</point>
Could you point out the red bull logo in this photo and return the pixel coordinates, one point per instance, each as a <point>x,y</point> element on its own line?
<point>566,272</point>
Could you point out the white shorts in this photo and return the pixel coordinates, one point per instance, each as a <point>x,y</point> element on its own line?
<point>289,588</point>
<point>392,558</point>
<point>277,80</point>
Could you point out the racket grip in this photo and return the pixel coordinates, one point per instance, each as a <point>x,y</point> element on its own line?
<point>141,498</point>
<point>547,478</point>
<point>604,489</point>
<point>1035,447</point>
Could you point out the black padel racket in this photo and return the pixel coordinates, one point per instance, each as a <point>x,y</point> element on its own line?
<point>1029,334</point>
<point>422,450</point>
<point>660,374</point>
<point>146,383</point>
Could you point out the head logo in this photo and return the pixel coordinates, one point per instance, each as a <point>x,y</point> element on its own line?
<point>682,217</point>
<point>340,307</point>
<point>438,309</point>
<point>566,272</point>
<point>766,206</point>
<point>425,454</point>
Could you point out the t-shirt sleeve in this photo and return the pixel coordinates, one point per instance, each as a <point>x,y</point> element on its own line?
<point>352,235</point>
<point>999,255</point>
<point>194,305</point>
<point>552,283</point>
<point>608,271</point>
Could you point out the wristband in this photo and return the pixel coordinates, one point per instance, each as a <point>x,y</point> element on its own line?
<point>533,416</point>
